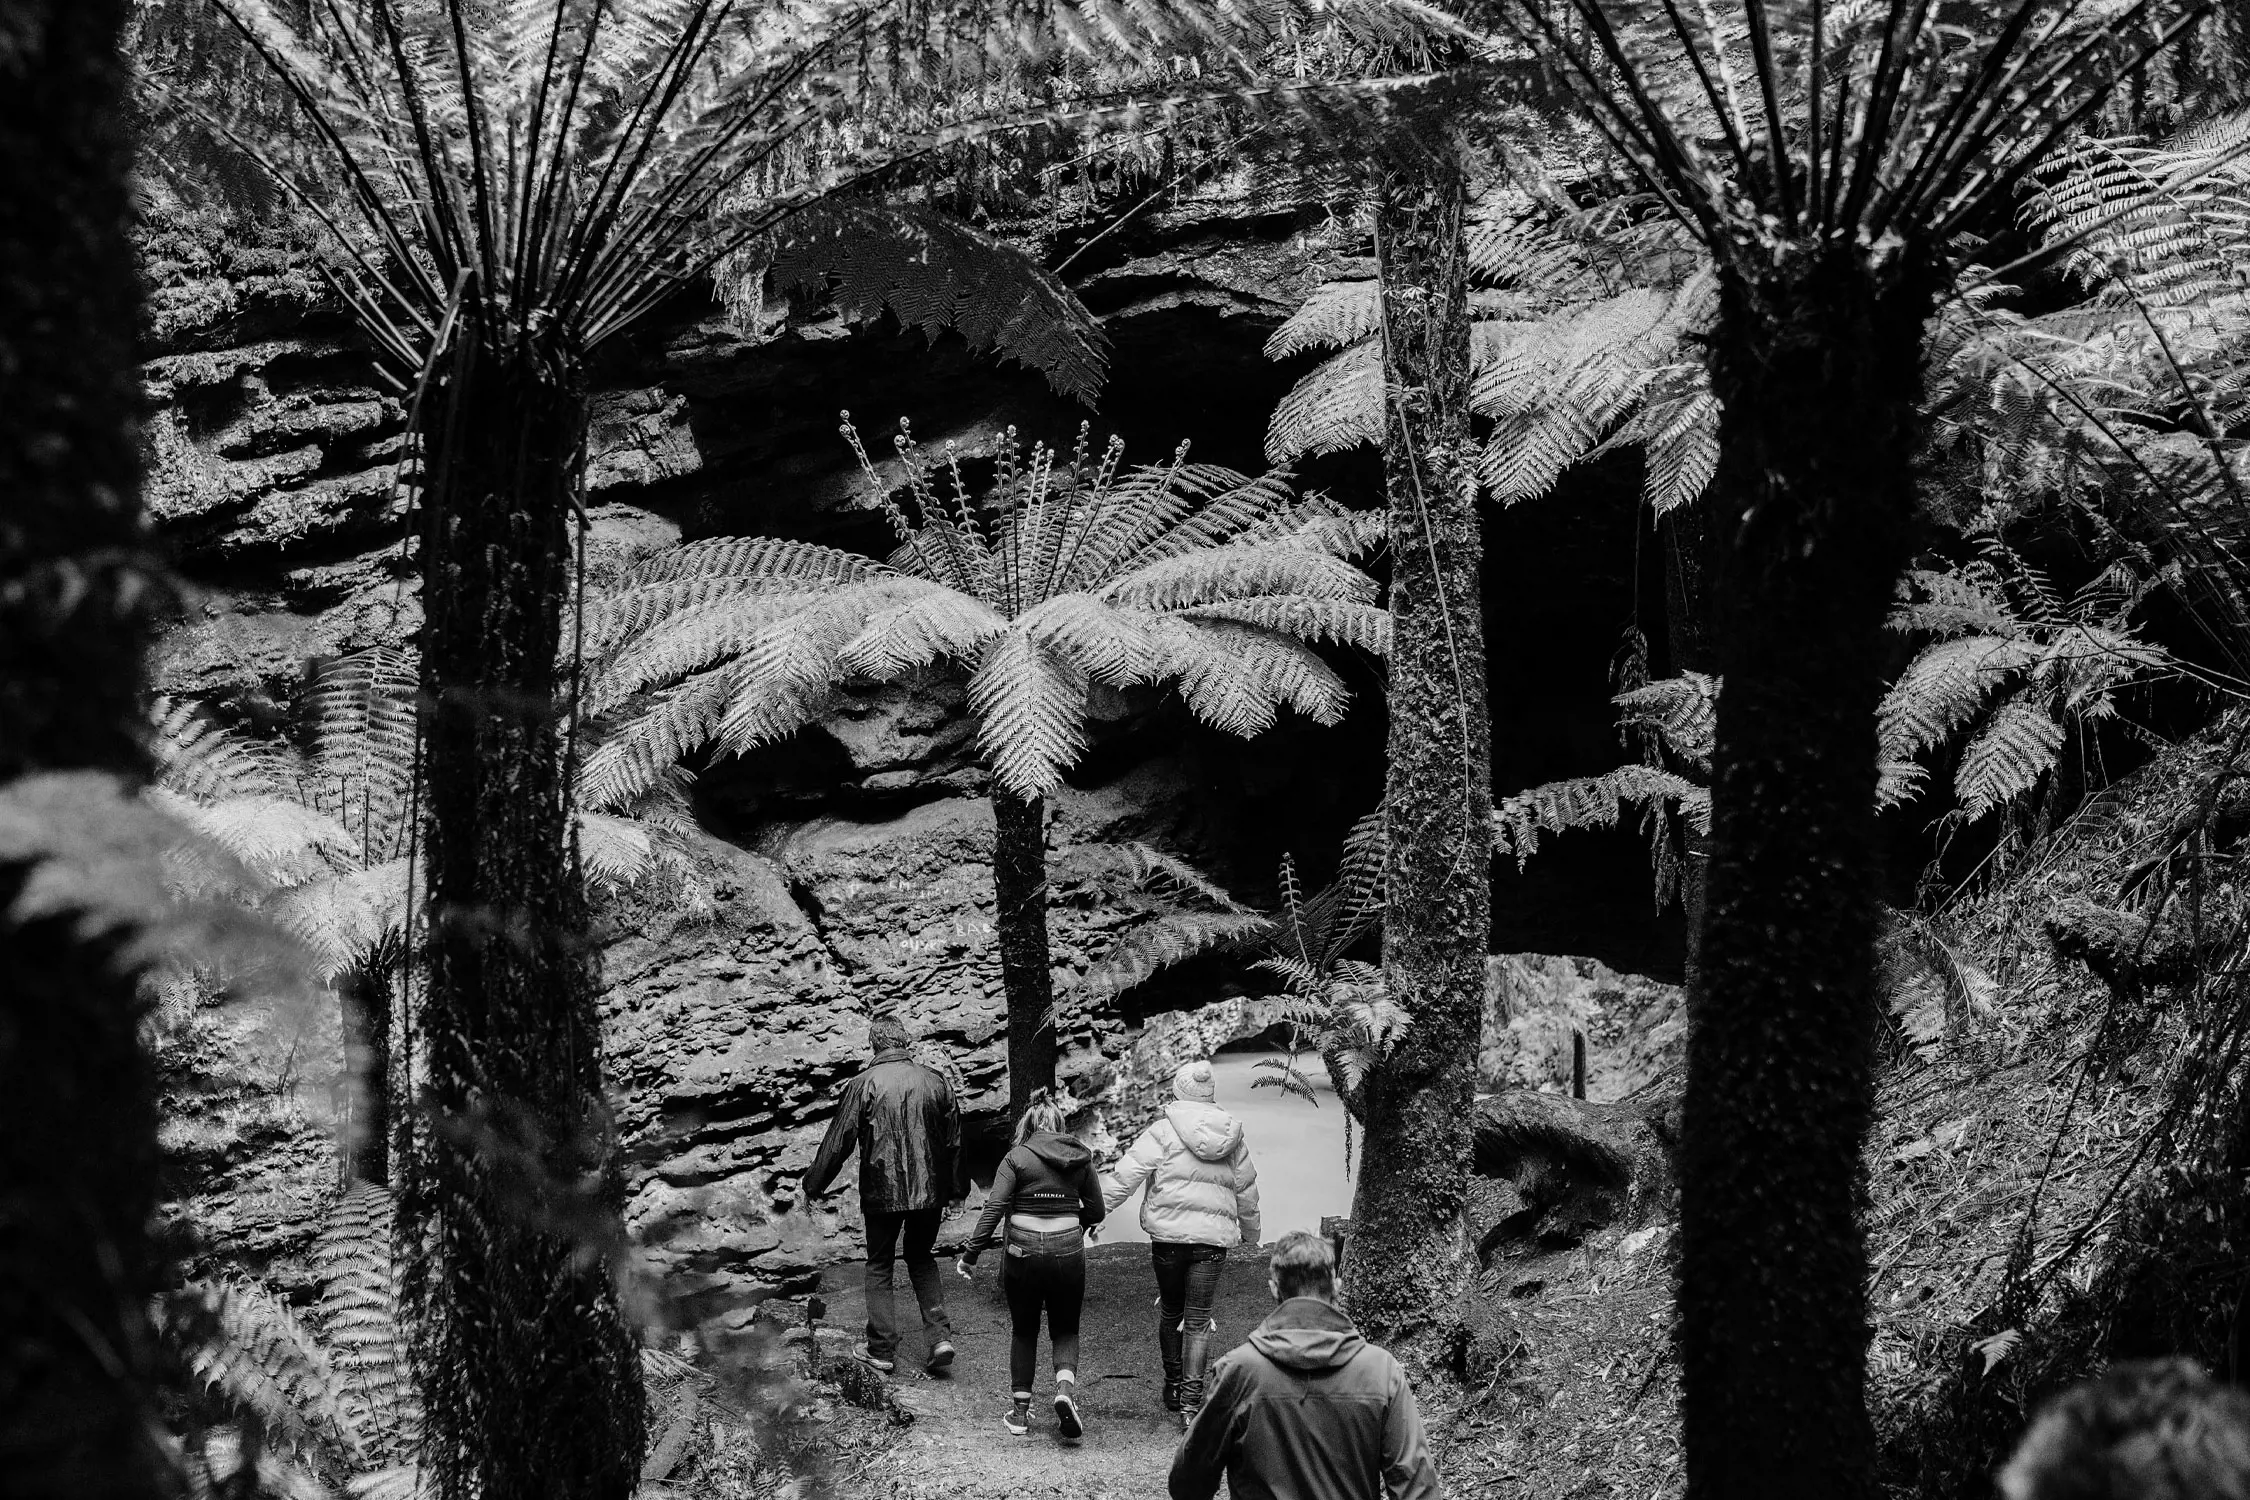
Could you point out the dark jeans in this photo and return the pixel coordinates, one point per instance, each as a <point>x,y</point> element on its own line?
<point>1187,1283</point>
<point>1045,1272</point>
<point>920,1226</point>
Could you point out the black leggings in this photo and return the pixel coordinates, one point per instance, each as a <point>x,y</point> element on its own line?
<point>1045,1273</point>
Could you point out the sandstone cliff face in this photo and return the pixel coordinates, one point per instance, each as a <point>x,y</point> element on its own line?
<point>854,862</point>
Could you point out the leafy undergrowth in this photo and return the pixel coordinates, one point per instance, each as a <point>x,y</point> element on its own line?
<point>2020,1145</point>
<point>2011,1204</point>
<point>1573,1391</point>
<point>765,1420</point>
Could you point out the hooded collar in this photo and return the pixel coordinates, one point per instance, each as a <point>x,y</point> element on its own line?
<point>1205,1129</point>
<point>1061,1150</point>
<point>1305,1333</point>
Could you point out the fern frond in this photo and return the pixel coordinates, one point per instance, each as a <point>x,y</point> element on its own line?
<point>218,1467</point>
<point>1238,571</point>
<point>362,719</point>
<point>764,562</point>
<point>1899,781</point>
<point>1681,450</point>
<point>2018,745</point>
<point>1336,314</point>
<point>205,762</point>
<point>1134,871</point>
<point>346,918</point>
<point>398,1482</point>
<point>1237,677</point>
<point>1943,687</point>
<point>2086,663</point>
<point>637,746</point>
<point>1961,601</point>
<point>1592,802</point>
<point>935,273</point>
<point>1103,643</point>
<point>939,625</point>
<point>276,838</point>
<point>687,641</point>
<point>615,851</point>
<point>360,1318</point>
<point>1030,709</point>
<point>1342,622</point>
<point>263,1361</point>
<point>1682,712</point>
<point>1337,406</point>
<point>1167,941</point>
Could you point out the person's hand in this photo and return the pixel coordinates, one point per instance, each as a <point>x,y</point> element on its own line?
<point>1093,1233</point>
<point>953,1208</point>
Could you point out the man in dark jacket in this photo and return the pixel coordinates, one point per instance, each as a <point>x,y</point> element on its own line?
<point>1308,1409</point>
<point>903,1120</point>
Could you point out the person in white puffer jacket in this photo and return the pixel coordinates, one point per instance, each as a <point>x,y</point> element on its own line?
<point>1202,1200</point>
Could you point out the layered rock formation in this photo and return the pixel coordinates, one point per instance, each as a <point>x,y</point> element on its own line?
<point>854,865</point>
<point>844,868</point>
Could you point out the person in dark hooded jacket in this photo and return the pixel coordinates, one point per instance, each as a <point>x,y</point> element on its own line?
<point>1049,1195</point>
<point>1308,1409</point>
<point>903,1121</point>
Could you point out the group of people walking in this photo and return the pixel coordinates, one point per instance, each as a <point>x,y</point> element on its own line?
<point>1305,1410</point>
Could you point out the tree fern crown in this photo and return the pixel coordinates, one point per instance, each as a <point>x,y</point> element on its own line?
<point>1071,571</point>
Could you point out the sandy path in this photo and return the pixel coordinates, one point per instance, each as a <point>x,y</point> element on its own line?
<point>957,1445</point>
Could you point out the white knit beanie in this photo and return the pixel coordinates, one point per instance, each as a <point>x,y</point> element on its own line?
<point>1194,1081</point>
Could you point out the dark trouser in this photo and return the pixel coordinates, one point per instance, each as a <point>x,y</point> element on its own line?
<point>921,1227</point>
<point>1045,1273</point>
<point>1187,1283</point>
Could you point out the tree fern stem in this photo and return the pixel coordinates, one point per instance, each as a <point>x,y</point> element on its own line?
<point>1408,1242</point>
<point>1817,357</point>
<point>365,997</point>
<point>1019,879</point>
<point>531,1385</point>
<point>78,1149</point>
<point>1690,605</point>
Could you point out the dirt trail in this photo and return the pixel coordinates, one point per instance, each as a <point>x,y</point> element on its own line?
<point>957,1445</point>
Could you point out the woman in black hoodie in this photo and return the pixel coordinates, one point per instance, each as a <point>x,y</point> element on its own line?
<point>1051,1195</point>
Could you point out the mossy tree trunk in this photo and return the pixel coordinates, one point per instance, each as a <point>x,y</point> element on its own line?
<point>78,1152</point>
<point>1691,568</point>
<point>1817,359</point>
<point>531,1383</point>
<point>1019,879</point>
<point>1409,1249</point>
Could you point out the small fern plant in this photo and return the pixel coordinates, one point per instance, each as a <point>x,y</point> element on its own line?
<point>320,1406</point>
<point>2015,673</point>
<point>331,826</point>
<point>1070,576</point>
<point>327,831</point>
<point>1336,1007</point>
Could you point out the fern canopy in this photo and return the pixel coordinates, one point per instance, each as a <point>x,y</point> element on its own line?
<point>1072,571</point>
<point>2013,665</point>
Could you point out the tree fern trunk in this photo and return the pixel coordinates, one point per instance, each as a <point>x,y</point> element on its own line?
<point>1409,1247</point>
<point>1690,610</point>
<point>531,1384</point>
<point>365,994</point>
<point>1019,879</point>
<point>1817,358</point>
<point>78,1153</point>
